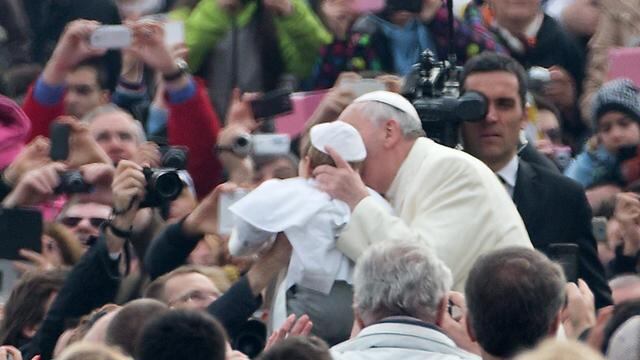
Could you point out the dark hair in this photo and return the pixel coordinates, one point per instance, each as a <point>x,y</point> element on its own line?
<point>490,61</point>
<point>125,327</point>
<point>299,348</point>
<point>543,103</point>
<point>98,67</point>
<point>513,296</point>
<point>621,313</point>
<point>27,304</point>
<point>182,334</point>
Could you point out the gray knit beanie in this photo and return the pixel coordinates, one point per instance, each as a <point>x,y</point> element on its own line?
<point>616,95</point>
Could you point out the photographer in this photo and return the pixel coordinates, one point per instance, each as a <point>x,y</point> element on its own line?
<point>94,281</point>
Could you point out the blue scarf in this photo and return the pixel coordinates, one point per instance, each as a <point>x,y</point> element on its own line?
<point>407,43</point>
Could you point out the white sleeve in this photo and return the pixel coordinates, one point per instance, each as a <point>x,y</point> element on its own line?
<point>554,8</point>
<point>247,239</point>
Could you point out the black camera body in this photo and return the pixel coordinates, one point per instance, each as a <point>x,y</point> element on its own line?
<point>174,157</point>
<point>163,186</point>
<point>433,88</point>
<point>71,182</point>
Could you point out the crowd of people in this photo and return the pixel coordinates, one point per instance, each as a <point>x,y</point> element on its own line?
<point>140,220</point>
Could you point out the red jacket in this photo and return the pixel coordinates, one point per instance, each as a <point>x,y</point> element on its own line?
<point>192,123</point>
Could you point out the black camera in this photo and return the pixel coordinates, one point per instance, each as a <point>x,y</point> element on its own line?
<point>174,157</point>
<point>163,186</point>
<point>71,182</point>
<point>433,88</point>
<point>251,338</point>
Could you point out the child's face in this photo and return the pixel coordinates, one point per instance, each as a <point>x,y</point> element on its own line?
<point>304,167</point>
<point>616,129</point>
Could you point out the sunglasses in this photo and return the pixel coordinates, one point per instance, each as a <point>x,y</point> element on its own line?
<point>72,221</point>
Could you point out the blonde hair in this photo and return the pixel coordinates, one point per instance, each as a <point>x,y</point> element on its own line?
<point>560,350</point>
<point>91,351</point>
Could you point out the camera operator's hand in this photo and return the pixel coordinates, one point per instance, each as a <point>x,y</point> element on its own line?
<point>33,156</point>
<point>580,312</point>
<point>627,212</point>
<point>35,186</point>
<point>148,153</point>
<point>204,218</point>
<point>72,48</point>
<point>9,352</point>
<point>456,327</point>
<point>83,148</point>
<point>34,262</point>
<point>128,187</point>
<point>562,88</point>
<point>280,7</point>
<point>341,182</point>
<point>149,46</point>
<point>239,168</point>
<point>240,112</point>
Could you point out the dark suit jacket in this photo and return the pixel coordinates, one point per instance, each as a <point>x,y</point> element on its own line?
<point>554,209</point>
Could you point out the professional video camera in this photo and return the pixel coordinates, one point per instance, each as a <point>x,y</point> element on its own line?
<point>433,87</point>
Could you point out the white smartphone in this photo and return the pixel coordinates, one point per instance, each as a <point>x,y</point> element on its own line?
<point>271,144</point>
<point>363,86</point>
<point>111,37</point>
<point>174,32</point>
<point>225,217</point>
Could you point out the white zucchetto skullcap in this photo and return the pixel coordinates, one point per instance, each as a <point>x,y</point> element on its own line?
<point>341,137</point>
<point>392,99</point>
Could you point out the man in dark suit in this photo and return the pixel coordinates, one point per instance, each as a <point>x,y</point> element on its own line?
<point>554,208</point>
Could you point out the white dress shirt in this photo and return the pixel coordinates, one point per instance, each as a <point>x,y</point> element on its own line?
<point>508,174</point>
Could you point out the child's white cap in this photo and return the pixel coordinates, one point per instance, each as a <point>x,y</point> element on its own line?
<point>341,137</point>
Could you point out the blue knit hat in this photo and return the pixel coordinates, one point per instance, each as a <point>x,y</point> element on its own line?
<point>616,95</point>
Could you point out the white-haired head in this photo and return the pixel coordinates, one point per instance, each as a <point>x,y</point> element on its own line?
<point>400,279</point>
<point>381,106</point>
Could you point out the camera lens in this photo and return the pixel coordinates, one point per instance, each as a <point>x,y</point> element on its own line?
<point>168,185</point>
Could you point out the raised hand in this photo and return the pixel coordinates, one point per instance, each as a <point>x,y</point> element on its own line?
<point>33,156</point>
<point>72,48</point>
<point>35,186</point>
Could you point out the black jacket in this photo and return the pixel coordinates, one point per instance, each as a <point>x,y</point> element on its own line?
<point>554,209</point>
<point>92,283</point>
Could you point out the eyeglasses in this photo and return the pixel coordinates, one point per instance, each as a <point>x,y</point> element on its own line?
<point>197,296</point>
<point>72,221</point>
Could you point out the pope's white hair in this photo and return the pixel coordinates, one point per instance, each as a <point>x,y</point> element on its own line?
<point>379,113</point>
<point>400,278</point>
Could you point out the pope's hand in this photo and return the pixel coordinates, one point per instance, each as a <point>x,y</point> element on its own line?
<point>341,182</point>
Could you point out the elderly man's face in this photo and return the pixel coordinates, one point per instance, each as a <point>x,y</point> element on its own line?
<point>373,172</point>
<point>85,219</point>
<point>116,133</point>
<point>190,291</point>
<point>494,140</point>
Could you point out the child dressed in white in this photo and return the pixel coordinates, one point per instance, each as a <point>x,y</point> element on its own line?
<point>319,275</point>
